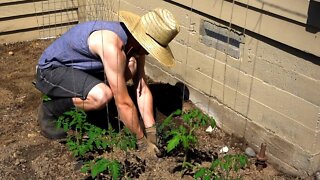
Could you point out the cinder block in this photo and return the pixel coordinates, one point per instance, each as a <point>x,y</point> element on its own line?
<point>219,70</point>
<point>183,36</point>
<point>195,43</point>
<point>129,5</point>
<point>227,119</point>
<point>248,56</point>
<point>235,100</point>
<point>156,74</point>
<point>238,80</point>
<point>183,16</point>
<point>316,142</point>
<point>241,103</point>
<point>287,104</point>
<point>200,62</point>
<point>229,96</point>
<point>300,62</point>
<point>217,90</point>
<point>288,153</point>
<point>299,7</point>
<point>288,80</point>
<point>177,70</point>
<point>230,121</point>
<point>198,80</point>
<point>143,5</point>
<point>184,73</point>
<point>283,126</point>
<point>281,166</point>
<point>314,163</point>
<point>179,51</point>
<point>201,101</point>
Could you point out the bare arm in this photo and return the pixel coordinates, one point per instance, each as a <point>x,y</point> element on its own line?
<point>109,47</point>
<point>144,96</point>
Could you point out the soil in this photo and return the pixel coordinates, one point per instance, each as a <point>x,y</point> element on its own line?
<point>26,154</point>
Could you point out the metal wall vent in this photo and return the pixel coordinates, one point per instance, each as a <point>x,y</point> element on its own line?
<point>221,38</point>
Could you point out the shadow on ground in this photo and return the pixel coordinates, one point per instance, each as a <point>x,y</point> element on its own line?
<point>167,98</point>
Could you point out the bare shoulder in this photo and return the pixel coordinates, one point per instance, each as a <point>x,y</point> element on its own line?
<point>102,40</point>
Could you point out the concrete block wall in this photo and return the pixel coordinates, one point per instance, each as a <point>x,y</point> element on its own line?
<point>270,94</point>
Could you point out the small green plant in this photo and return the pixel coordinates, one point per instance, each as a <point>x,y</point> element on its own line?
<point>221,168</point>
<point>46,98</point>
<point>168,121</point>
<point>196,118</point>
<point>193,118</point>
<point>76,119</point>
<point>97,166</point>
<point>182,136</point>
<point>87,137</point>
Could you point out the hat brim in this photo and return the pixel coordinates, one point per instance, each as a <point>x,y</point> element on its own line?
<point>162,54</point>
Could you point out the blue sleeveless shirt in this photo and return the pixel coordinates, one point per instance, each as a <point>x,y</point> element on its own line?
<point>72,49</point>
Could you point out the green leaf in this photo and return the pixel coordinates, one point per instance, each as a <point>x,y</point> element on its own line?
<point>85,168</point>
<point>200,173</point>
<point>177,112</point>
<point>46,98</point>
<point>173,143</point>
<point>215,164</point>
<point>100,166</point>
<point>174,132</point>
<point>115,169</point>
<point>104,144</point>
<point>165,123</point>
<point>213,123</point>
<point>243,160</point>
<point>225,166</point>
<point>206,177</point>
<point>185,142</point>
<point>186,117</point>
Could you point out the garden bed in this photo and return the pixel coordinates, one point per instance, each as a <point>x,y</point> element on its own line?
<point>25,154</point>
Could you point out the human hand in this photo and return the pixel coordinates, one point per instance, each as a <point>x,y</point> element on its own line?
<point>144,145</point>
<point>151,134</point>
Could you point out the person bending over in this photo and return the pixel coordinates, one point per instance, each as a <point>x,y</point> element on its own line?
<point>69,69</point>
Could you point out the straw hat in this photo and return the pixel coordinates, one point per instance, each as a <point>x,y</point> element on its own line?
<point>153,31</point>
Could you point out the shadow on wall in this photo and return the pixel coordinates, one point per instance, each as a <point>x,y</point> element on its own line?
<point>313,22</point>
<point>166,99</point>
